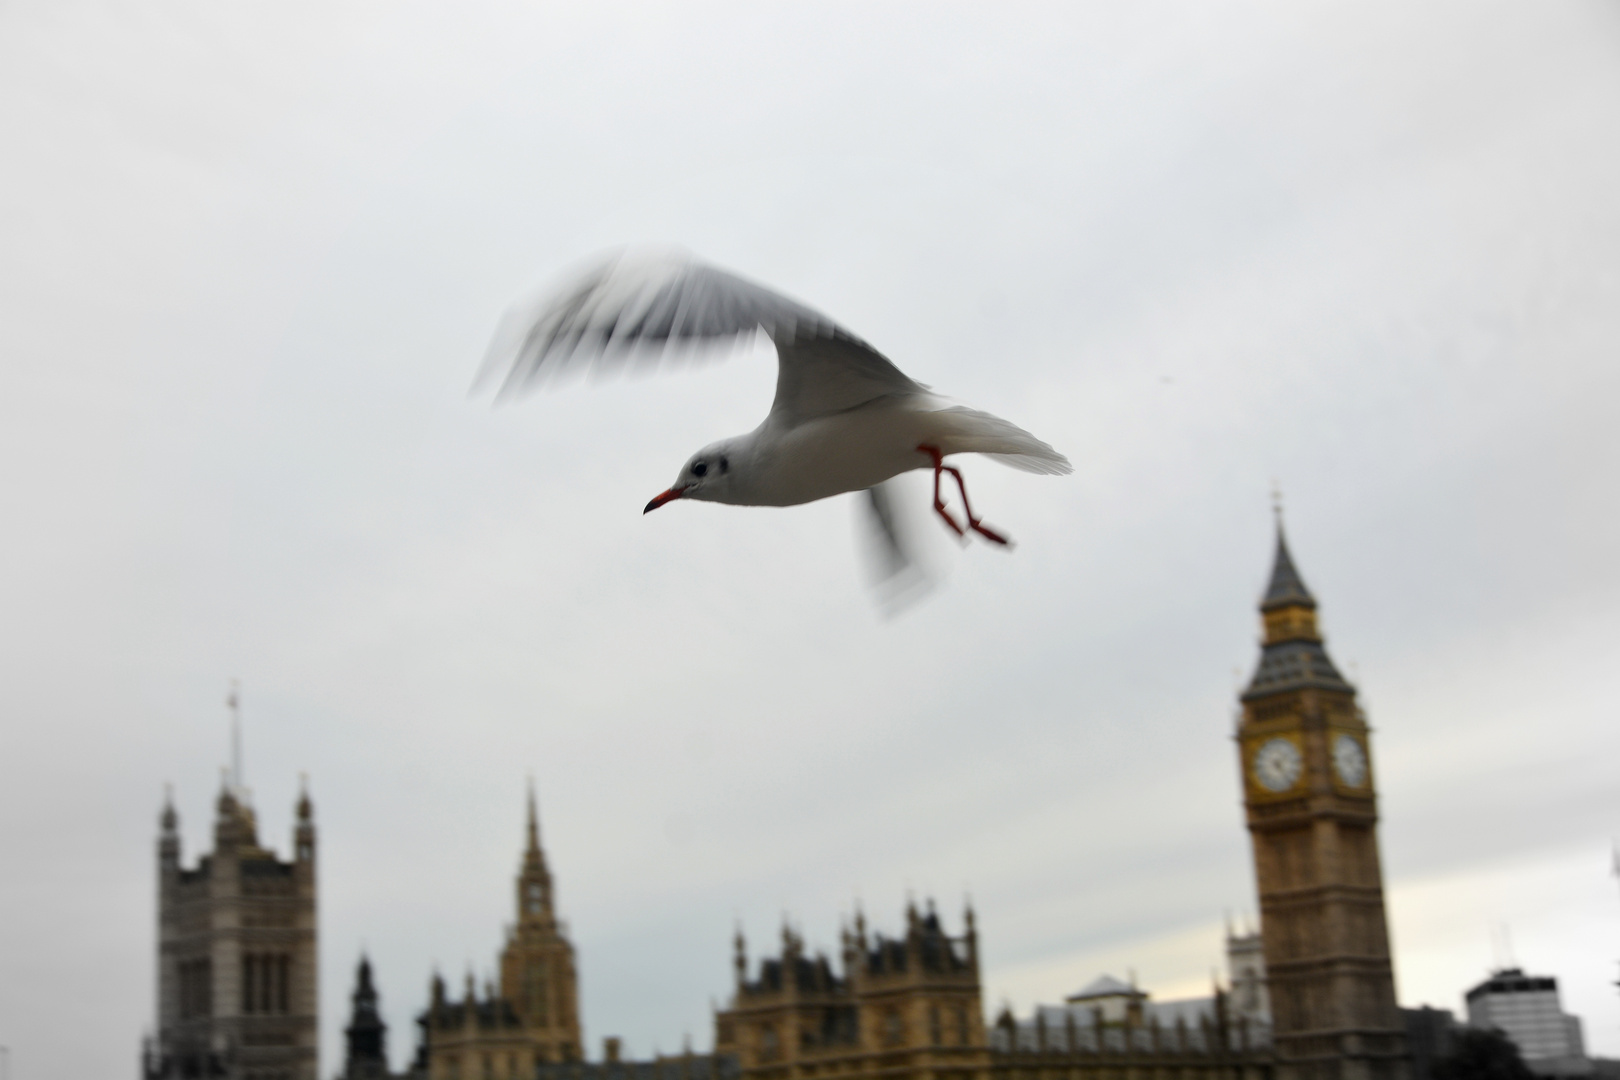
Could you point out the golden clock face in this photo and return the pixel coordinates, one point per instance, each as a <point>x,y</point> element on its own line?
<point>1349,761</point>
<point>1277,764</point>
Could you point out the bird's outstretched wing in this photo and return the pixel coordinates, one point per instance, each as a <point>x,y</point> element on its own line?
<point>631,309</point>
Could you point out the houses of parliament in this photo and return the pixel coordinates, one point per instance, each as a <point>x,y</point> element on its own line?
<point>1310,996</point>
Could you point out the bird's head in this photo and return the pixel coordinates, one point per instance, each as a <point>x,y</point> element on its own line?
<point>707,475</point>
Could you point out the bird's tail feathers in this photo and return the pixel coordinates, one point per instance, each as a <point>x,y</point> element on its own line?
<point>976,432</point>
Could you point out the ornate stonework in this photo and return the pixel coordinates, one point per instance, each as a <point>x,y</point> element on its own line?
<point>236,952</point>
<point>534,1017</point>
<point>900,1007</point>
<point>1312,812</point>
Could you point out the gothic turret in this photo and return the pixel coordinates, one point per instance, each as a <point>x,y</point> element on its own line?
<point>169,836</point>
<point>367,1034</point>
<point>304,831</point>
<point>970,936</point>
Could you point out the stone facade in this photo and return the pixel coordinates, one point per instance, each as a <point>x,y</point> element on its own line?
<point>909,1008</point>
<point>533,1018</point>
<point>476,1038</point>
<point>236,952</point>
<point>900,1008</point>
<point>1312,812</point>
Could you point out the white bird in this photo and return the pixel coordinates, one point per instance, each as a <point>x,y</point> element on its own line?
<point>844,418</point>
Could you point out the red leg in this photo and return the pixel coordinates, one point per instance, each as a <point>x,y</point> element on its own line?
<point>939,503</point>
<point>974,523</point>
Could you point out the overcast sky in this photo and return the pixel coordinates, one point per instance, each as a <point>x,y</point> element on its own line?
<point>250,256</point>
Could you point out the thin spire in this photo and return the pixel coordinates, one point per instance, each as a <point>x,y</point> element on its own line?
<point>1287,588</point>
<point>534,880</point>
<point>534,821</point>
<point>233,701</point>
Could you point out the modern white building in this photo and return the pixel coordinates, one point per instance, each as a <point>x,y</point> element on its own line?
<point>1526,1009</point>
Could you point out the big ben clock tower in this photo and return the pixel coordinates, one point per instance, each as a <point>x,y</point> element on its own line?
<point>1312,812</point>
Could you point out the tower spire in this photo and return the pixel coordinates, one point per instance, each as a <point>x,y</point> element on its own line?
<point>534,823</point>
<point>233,701</point>
<point>1312,815</point>
<point>534,879</point>
<point>1292,656</point>
<point>1286,587</point>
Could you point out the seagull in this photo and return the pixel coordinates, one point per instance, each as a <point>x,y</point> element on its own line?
<point>844,418</point>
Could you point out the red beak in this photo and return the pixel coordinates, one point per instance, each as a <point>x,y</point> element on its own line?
<point>659,500</point>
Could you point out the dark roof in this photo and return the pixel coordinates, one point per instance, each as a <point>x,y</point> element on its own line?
<point>935,950</point>
<point>1512,981</point>
<point>488,1015</point>
<point>935,946</point>
<point>1105,986</point>
<point>807,974</point>
<point>886,954</point>
<point>1287,587</point>
<point>1295,665</point>
<point>683,1067</point>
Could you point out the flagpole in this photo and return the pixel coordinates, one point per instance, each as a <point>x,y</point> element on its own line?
<point>235,703</point>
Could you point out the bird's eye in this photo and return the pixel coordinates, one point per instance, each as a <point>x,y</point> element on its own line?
<point>699,468</point>
<point>725,465</point>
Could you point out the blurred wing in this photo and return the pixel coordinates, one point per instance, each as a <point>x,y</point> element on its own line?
<point>631,308</point>
<point>895,569</point>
